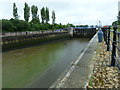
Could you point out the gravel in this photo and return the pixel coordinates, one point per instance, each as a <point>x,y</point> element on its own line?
<point>104,75</point>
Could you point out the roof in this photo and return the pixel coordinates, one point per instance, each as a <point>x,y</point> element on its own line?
<point>83,27</point>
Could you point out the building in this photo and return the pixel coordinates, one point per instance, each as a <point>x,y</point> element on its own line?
<point>118,6</point>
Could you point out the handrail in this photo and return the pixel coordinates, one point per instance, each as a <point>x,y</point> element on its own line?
<point>114,45</point>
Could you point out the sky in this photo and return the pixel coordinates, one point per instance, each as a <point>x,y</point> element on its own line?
<point>77,12</point>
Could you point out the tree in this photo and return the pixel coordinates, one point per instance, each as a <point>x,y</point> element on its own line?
<point>34,11</point>
<point>53,17</point>
<point>43,15</point>
<point>35,17</point>
<point>20,25</point>
<point>114,23</point>
<point>70,25</point>
<point>26,12</point>
<point>92,26</point>
<point>47,15</point>
<point>119,17</point>
<point>15,14</point>
<point>7,26</point>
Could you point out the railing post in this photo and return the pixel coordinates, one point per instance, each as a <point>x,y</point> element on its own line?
<point>105,35</point>
<point>108,40</point>
<point>119,44</point>
<point>114,47</point>
<point>103,29</point>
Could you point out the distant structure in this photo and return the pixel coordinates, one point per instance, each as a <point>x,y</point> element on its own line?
<point>118,6</point>
<point>118,17</point>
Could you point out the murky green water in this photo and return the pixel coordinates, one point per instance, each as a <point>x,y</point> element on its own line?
<point>39,66</point>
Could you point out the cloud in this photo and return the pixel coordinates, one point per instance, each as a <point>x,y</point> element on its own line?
<point>68,11</point>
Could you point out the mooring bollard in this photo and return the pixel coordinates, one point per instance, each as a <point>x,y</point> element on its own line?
<point>114,46</point>
<point>71,32</point>
<point>100,36</point>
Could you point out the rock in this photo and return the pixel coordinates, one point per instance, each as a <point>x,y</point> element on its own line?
<point>104,76</point>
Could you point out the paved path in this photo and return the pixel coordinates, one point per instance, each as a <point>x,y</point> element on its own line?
<point>91,70</point>
<point>78,74</point>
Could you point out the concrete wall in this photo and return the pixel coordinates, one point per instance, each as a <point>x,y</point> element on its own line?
<point>12,40</point>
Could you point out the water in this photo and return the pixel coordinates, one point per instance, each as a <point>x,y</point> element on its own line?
<point>39,66</point>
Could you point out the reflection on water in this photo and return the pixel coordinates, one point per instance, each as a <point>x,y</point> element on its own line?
<point>39,66</point>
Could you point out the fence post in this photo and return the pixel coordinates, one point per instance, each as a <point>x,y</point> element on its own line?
<point>114,47</point>
<point>103,29</point>
<point>119,44</point>
<point>105,36</point>
<point>108,40</point>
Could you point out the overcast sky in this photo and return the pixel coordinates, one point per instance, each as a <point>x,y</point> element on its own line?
<point>68,11</point>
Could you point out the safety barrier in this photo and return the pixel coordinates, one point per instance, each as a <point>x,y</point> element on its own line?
<point>113,44</point>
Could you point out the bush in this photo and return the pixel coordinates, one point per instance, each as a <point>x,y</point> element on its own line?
<point>15,25</point>
<point>20,25</point>
<point>7,26</point>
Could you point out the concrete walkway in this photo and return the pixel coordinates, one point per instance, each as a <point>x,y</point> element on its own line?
<point>79,73</point>
<point>91,70</point>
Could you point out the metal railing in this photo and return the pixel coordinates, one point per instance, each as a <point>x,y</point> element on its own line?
<point>113,44</point>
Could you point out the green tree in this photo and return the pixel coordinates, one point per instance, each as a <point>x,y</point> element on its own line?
<point>53,17</point>
<point>26,12</point>
<point>20,25</point>
<point>47,15</point>
<point>7,26</point>
<point>15,14</point>
<point>70,25</point>
<point>92,26</point>
<point>115,23</point>
<point>43,15</point>
<point>119,17</point>
<point>35,17</point>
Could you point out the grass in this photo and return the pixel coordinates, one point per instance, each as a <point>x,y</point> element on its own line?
<point>118,30</point>
<point>90,84</point>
